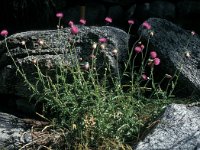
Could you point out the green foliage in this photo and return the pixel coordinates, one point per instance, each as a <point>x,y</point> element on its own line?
<point>93,113</point>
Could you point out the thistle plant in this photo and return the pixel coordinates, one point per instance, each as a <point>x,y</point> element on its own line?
<point>92,113</point>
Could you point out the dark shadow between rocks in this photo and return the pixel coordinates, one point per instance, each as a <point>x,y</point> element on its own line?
<point>18,106</point>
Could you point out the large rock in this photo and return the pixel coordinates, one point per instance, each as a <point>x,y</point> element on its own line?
<point>17,133</point>
<point>50,47</point>
<point>14,132</point>
<point>179,51</point>
<point>178,128</point>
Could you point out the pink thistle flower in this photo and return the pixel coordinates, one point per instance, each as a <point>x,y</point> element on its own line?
<point>59,15</point>
<point>153,54</point>
<point>102,40</point>
<point>4,33</point>
<point>74,29</point>
<point>144,77</point>
<point>138,49</point>
<point>156,61</point>
<point>142,46</point>
<point>146,25</point>
<point>108,20</point>
<point>71,23</point>
<point>82,21</point>
<point>131,22</point>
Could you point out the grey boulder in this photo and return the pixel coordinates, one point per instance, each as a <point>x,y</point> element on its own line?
<point>178,50</point>
<point>14,132</point>
<point>50,47</point>
<point>178,129</point>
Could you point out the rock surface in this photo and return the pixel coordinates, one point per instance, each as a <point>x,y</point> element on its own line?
<point>14,132</point>
<point>50,47</point>
<point>179,128</point>
<point>178,50</point>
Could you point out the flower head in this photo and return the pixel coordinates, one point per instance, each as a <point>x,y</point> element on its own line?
<point>193,33</point>
<point>187,54</point>
<point>71,23</point>
<point>108,20</point>
<point>146,25</point>
<point>23,43</point>
<point>74,126</point>
<point>103,46</point>
<point>41,42</point>
<point>114,51</point>
<point>82,21</point>
<point>144,77</point>
<point>86,66</point>
<point>4,33</point>
<point>153,54</point>
<point>130,22</point>
<point>59,15</point>
<point>34,61</point>
<point>138,49</point>
<point>151,33</point>
<point>156,61</point>
<point>74,29</point>
<point>142,46</point>
<point>102,40</point>
<point>150,62</point>
<point>94,45</point>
